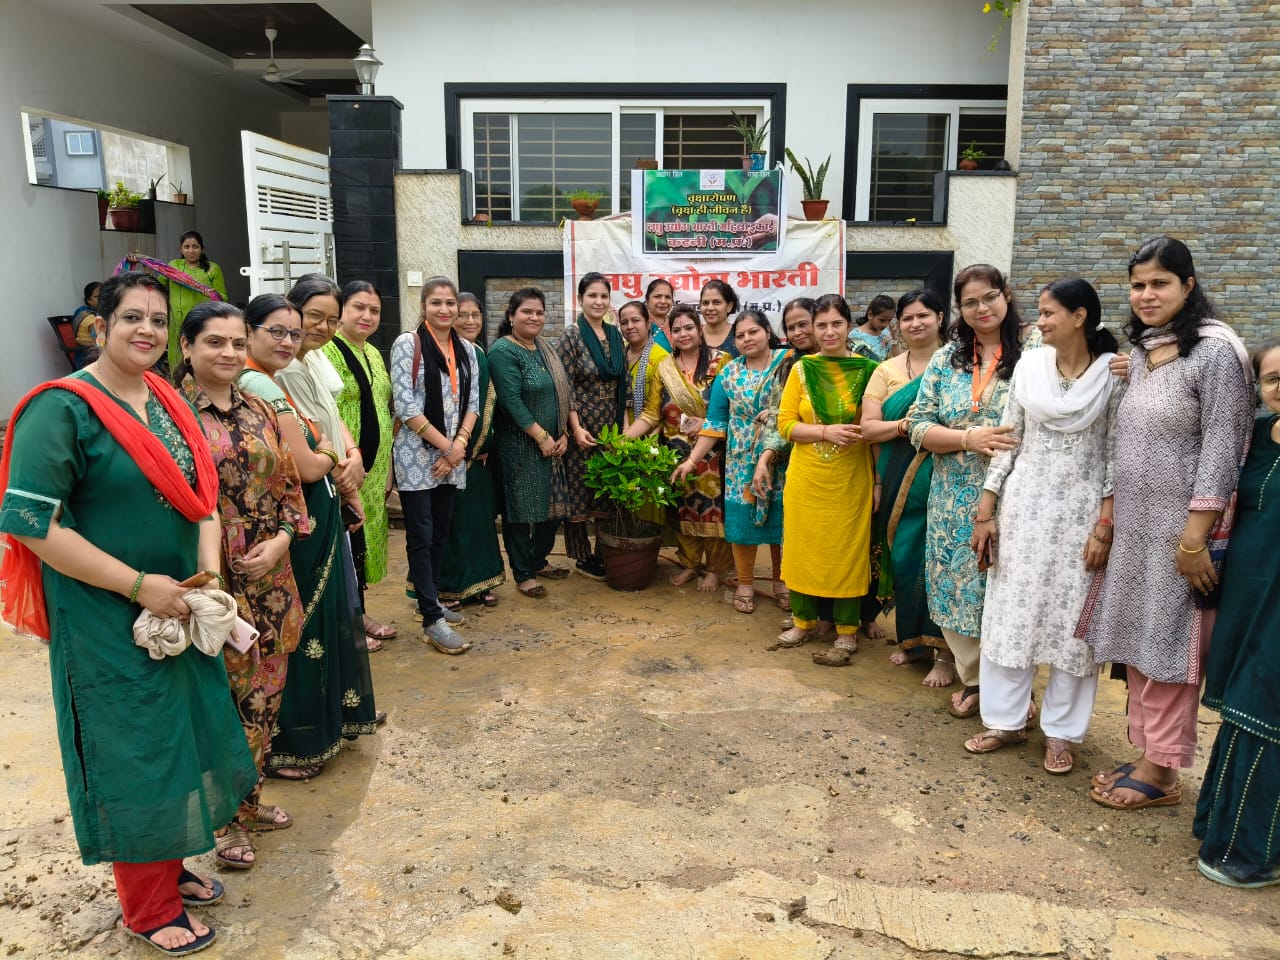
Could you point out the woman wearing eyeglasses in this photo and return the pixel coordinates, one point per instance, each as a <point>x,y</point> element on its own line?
<point>956,417</point>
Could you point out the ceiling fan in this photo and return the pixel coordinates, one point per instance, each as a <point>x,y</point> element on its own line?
<point>272,74</point>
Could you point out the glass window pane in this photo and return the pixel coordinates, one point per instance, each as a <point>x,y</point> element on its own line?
<point>558,153</point>
<point>986,131</point>
<point>908,150</point>
<point>700,141</point>
<point>637,132</point>
<point>492,147</point>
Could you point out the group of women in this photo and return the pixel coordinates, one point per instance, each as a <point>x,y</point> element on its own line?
<point>1042,502</point>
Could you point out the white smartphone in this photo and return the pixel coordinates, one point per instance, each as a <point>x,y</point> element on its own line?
<point>243,635</point>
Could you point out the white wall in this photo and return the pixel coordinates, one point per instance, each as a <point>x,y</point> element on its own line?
<point>815,47</point>
<point>50,245</point>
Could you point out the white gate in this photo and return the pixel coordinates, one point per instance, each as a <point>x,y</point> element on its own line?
<point>290,214</point>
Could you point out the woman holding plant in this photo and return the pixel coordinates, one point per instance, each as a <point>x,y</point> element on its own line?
<point>594,357</point>
<point>678,413</point>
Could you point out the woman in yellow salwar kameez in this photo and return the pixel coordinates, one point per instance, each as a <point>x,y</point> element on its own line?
<point>828,498</point>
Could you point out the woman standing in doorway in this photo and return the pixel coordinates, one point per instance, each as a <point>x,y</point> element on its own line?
<point>196,264</point>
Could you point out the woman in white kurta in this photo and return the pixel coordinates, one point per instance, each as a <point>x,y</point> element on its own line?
<point>1053,527</point>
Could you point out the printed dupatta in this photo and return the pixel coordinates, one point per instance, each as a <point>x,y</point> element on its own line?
<point>165,272</point>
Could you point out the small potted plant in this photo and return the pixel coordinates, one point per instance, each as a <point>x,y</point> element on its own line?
<point>971,156</point>
<point>815,208</point>
<point>752,140</point>
<point>179,196</point>
<point>584,202</point>
<point>104,203</point>
<point>122,207</point>
<point>630,474</point>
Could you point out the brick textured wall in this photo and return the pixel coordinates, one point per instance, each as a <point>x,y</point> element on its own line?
<point>1142,118</point>
<point>498,291</point>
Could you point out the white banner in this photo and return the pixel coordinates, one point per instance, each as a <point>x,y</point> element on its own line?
<point>810,264</point>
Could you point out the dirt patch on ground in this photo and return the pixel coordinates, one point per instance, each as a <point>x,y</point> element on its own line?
<point>633,775</point>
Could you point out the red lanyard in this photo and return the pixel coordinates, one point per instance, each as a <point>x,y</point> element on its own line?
<point>979,382</point>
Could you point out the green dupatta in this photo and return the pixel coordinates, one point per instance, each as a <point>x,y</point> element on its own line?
<point>835,385</point>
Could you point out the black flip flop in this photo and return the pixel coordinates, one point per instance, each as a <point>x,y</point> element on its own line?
<point>182,921</point>
<point>186,876</point>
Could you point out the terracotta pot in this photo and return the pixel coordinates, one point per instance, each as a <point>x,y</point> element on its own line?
<point>102,213</point>
<point>629,562</point>
<point>585,208</point>
<point>180,198</point>
<point>646,164</point>
<point>967,165</point>
<point>746,161</point>
<point>814,209</point>
<point>124,219</point>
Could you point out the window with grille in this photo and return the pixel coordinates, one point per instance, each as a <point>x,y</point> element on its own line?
<point>527,157</point>
<point>903,146</point>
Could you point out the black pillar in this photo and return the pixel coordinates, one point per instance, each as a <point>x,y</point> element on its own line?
<point>364,154</point>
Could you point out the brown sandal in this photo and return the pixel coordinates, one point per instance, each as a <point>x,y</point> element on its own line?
<point>1058,758</point>
<point>234,839</point>
<point>990,740</point>
<point>265,819</point>
<point>744,602</point>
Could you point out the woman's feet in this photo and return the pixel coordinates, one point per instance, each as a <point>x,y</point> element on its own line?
<point>744,599</point>
<point>989,740</point>
<point>198,891</point>
<point>794,637</point>
<point>268,817</point>
<point>943,673</point>
<point>840,653</point>
<point>381,631</point>
<point>532,589</point>
<point>964,703</point>
<point>1058,758</point>
<point>233,848</point>
<point>872,630</point>
<point>683,577</point>
<point>900,658</point>
<point>592,569</point>
<point>1147,784</point>
<point>294,773</point>
<point>181,936</point>
<point>709,583</point>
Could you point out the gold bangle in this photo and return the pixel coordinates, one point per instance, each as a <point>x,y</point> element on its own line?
<point>964,440</point>
<point>328,453</point>
<point>425,423</point>
<point>1182,549</point>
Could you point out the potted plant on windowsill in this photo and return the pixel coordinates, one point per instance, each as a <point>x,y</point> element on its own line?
<point>815,208</point>
<point>104,203</point>
<point>630,475</point>
<point>179,196</point>
<point>122,208</point>
<point>971,156</point>
<point>584,202</point>
<point>752,140</point>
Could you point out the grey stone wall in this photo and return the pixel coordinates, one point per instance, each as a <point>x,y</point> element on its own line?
<point>1142,118</point>
<point>498,292</point>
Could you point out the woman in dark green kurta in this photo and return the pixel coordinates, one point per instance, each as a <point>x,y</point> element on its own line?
<point>1238,814</point>
<point>472,561</point>
<point>534,402</point>
<point>153,752</point>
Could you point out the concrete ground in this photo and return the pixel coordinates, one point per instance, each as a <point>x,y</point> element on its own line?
<point>612,775</point>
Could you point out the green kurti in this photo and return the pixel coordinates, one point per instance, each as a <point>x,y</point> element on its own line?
<point>153,753</point>
<point>472,562</point>
<point>533,484</point>
<point>374,490</point>
<point>182,299</point>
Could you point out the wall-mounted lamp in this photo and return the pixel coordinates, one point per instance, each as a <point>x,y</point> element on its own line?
<point>366,64</point>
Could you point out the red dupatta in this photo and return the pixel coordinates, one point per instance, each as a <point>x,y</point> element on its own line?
<point>21,585</point>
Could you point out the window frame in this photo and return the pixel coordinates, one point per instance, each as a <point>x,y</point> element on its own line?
<point>864,102</point>
<point>464,100</point>
<point>93,143</point>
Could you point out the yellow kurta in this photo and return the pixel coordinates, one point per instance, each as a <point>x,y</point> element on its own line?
<point>826,515</point>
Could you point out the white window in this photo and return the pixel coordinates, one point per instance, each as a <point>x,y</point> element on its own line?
<point>904,144</point>
<point>526,155</point>
<point>81,143</point>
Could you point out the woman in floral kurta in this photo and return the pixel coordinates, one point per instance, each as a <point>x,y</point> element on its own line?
<point>366,389</point>
<point>262,510</point>
<point>956,416</point>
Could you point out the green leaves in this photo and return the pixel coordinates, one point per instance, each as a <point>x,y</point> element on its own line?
<point>631,473</point>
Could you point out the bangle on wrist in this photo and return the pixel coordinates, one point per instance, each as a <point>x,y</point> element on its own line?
<point>964,440</point>
<point>289,529</point>
<point>902,427</point>
<point>1201,549</point>
<point>349,449</point>
<point>222,581</point>
<point>425,423</point>
<point>137,585</point>
<point>1104,522</point>
<point>990,519</point>
<point>328,453</point>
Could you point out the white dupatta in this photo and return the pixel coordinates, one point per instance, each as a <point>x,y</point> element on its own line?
<point>1066,411</point>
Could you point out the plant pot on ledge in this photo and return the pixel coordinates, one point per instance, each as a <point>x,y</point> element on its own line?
<point>585,208</point>
<point>180,198</point>
<point>814,209</point>
<point>124,219</point>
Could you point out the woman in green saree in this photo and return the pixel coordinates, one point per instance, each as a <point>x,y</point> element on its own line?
<point>899,525</point>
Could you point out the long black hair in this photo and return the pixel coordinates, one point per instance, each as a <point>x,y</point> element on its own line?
<point>1010,328</point>
<point>1074,294</point>
<point>704,352</point>
<point>193,325</point>
<point>932,301</point>
<point>516,302</point>
<point>195,234</point>
<point>1172,254</point>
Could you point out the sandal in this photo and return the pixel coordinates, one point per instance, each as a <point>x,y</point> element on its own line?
<point>1104,779</point>
<point>537,591</point>
<point>956,706</point>
<point>989,740</point>
<point>783,600</point>
<point>744,602</point>
<point>266,819</point>
<point>553,573</point>
<point>489,600</point>
<point>372,643</point>
<point>215,894</point>
<point>294,773</point>
<point>381,631</point>
<point>199,943</point>
<point>1058,758</point>
<point>1155,797</point>
<point>795,637</point>
<point>234,839</point>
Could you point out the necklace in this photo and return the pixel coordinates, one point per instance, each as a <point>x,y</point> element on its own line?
<point>140,411</point>
<point>1071,378</point>
<point>979,382</point>
<point>1262,491</point>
